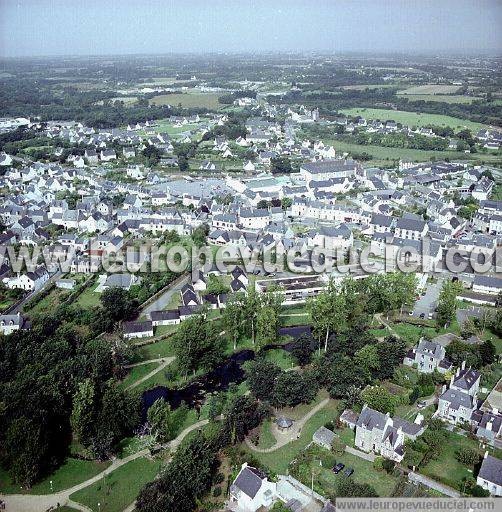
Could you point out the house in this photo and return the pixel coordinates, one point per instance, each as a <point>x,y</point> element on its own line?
<point>487,284</point>
<point>349,418</point>
<point>490,475</point>
<point>323,437</point>
<point>11,323</point>
<point>489,426</point>
<point>107,155</point>
<point>428,356</point>
<point>251,490</point>
<point>91,156</point>
<point>327,169</point>
<point>411,228</point>
<point>124,281</point>
<point>458,403</point>
<point>143,329</point>
<point>249,166</point>
<point>30,281</point>
<point>65,284</point>
<point>384,435</point>
<point>170,317</point>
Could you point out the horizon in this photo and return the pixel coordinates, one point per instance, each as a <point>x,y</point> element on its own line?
<point>326,27</point>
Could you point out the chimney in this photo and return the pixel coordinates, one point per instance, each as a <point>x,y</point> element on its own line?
<point>489,424</point>
<point>443,388</point>
<point>495,410</point>
<point>463,365</point>
<point>486,454</point>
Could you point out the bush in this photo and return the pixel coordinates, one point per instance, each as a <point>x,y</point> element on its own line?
<point>388,465</point>
<point>467,456</point>
<point>338,446</point>
<point>218,479</point>
<point>217,491</point>
<point>378,463</point>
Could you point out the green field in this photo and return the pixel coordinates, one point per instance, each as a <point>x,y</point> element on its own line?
<point>413,118</point>
<point>70,473</point>
<point>188,100</point>
<point>446,98</point>
<point>431,89</point>
<point>120,488</point>
<point>138,372</point>
<point>382,155</point>
<point>153,351</point>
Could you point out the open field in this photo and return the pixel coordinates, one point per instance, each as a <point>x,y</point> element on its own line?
<point>382,155</point>
<point>431,89</point>
<point>120,488</point>
<point>363,87</point>
<point>454,98</point>
<point>413,118</point>
<point>189,100</point>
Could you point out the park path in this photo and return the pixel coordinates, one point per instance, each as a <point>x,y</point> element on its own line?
<point>166,361</point>
<point>284,438</point>
<point>147,361</point>
<point>432,484</point>
<point>379,317</point>
<point>40,503</point>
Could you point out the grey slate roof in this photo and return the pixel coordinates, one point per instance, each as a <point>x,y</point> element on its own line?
<point>370,419</point>
<point>491,470</point>
<point>249,481</point>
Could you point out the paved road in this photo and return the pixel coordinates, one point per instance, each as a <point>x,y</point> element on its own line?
<point>161,303</point>
<point>284,438</point>
<point>40,503</point>
<point>427,303</point>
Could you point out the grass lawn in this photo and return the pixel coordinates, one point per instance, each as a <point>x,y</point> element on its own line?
<point>266,439</point>
<point>278,460</point>
<point>347,435</point>
<point>153,351</point>
<point>383,155</point>
<point>447,469</point>
<point>89,298</point>
<point>326,481</point>
<point>120,488</point>
<point>280,357</point>
<point>188,100</point>
<point>414,118</point>
<point>162,330</point>
<point>137,373</point>
<point>70,473</point>
<point>297,319</point>
<point>48,303</point>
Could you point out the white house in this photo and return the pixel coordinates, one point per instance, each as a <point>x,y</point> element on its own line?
<point>251,490</point>
<point>490,475</point>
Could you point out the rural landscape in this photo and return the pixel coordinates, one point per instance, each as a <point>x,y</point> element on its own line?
<point>248,280</point>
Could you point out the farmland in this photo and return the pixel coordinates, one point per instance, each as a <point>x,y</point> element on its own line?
<point>431,89</point>
<point>188,100</point>
<point>445,98</point>
<point>413,118</point>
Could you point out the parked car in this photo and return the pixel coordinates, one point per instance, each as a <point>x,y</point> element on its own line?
<point>421,404</point>
<point>338,468</point>
<point>348,472</point>
<point>422,315</point>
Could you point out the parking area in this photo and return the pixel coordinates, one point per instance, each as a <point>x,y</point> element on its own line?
<point>427,303</point>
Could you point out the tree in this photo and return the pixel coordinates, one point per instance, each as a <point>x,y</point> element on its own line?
<point>414,395</point>
<point>447,303</point>
<point>328,313</point>
<point>261,376</point>
<point>233,319</point>
<point>160,420</point>
<point>280,165</point>
<point>487,352</point>
<point>185,479</point>
<point>302,349</point>
<point>347,488</point>
<point>352,397</point>
<point>82,416</point>
<point>368,357</point>
<point>118,304</point>
<point>252,305</point>
<point>380,399</point>
<point>199,235</point>
<point>267,324</point>
<point>286,203</point>
<point>197,345</point>
<point>293,388</point>
<point>391,352</point>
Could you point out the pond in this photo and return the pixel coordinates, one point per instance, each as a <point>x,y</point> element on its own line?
<point>228,372</point>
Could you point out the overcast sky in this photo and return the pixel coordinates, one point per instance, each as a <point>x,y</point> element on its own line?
<point>97,27</point>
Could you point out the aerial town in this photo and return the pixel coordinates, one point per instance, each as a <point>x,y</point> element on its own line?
<point>249,284</point>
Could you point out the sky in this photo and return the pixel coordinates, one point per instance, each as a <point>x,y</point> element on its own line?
<point>116,27</point>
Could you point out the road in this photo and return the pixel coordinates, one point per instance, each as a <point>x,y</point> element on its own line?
<point>161,302</point>
<point>427,303</point>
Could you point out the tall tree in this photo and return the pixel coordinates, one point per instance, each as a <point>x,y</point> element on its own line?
<point>160,420</point>
<point>82,415</point>
<point>447,302</point>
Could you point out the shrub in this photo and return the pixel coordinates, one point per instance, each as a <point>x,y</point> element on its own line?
<point>467,456</point>
<point>217,491</point>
